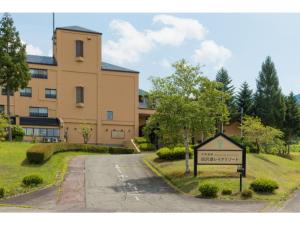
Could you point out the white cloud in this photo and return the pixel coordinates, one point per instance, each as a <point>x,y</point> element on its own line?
<point>130,45</point>
<point>165,63</point>
<point>32,50</point>
<point>212,53</point>
<point>177,30</point>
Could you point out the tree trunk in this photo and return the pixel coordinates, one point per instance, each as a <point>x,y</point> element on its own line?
<point>187,152</point>
<point>8,114</point>
<point>257,146</point>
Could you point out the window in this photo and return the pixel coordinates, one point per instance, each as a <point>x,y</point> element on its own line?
<point>50,93</point>
<point>26,92</point>
<point>1,108</point>
<point>109,115</point>
<point>79,48</point>
<point>39,73</point>
<point>41,132</point>
<point>79,95</point>
<point>4,92</point>
<point>38,111</point>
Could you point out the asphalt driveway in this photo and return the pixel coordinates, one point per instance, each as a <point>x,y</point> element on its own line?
<point>119,183</point>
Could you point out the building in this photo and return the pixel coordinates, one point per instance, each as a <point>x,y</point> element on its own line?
<point>75,87</point>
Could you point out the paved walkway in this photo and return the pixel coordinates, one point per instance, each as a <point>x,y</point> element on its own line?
<point>123,183</point>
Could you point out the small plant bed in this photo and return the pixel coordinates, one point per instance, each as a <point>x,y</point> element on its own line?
<point>144,144</point>
<point>284,172</point>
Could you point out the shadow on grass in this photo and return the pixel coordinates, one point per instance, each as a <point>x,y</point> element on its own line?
<point>26,163</point>
<point>264,159</point>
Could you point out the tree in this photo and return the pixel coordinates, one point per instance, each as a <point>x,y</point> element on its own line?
<point>186,102</point>
<point>86,132</point>
<point>269,101</point>
<point>3,126</point>
<point>244,100</point>
<point>14,72</point>
<point>292,119</point>
<point>223,77</point>
<point>266,138</point>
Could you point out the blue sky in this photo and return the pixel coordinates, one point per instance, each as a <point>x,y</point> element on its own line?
<point>149,43</point>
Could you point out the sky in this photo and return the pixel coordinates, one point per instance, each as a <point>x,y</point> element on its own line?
<point>150,43</point>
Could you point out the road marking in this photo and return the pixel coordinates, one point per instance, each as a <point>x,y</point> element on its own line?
<point>118,168</point>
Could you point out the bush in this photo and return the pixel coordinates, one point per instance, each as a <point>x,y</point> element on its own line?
<point>264,186</point>
<point>226,192</point>
<point>208,190</point>
<point>140,140</point>
<point>146,147</point>
<point>17,133</point>
<point>173,154</point>
<point>2,192</point>
<point>32,180</point>
<point>246,194</point>
<point>120,150</point>
<point>41,152</point>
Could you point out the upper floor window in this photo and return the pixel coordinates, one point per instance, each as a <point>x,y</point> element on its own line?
<point>1,108</point>
<point>109,115</point>
<point>27,92</point>
<point>39,73</point>
<point>50,93</point>
<point>79,95</point>
<point>4,92</point>
<point>38,111</point>
<point>79,48</point>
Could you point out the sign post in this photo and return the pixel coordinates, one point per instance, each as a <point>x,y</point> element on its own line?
<point>220,150</point>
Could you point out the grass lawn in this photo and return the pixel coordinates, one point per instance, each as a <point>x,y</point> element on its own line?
<point>13,167</point>
<point>285,171</point>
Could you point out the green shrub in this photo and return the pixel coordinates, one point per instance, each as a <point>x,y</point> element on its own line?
<point>140,140</point>
<point>246,194</point>
<point>226,192</point>
<point>120,150</point>
<point>146,147</point>
<point>208,190</point>
<point>32,180</point>
<point>17,133</point>
<point>264,185</point>
<point>41,152</point>
<point>173,154</point>
<point>2,192</point>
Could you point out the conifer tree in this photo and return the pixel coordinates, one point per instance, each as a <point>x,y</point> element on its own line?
<point>269,100</point>
<point>244,100</point>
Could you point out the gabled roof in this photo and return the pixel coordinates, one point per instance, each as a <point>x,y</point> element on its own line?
<point>44,60</point>
<point>78,29</point>
<point>217,135</point>
<point>48,60</point>
<point>108,66</point>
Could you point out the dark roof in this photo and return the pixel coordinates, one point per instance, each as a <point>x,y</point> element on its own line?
<point>39,121</point>
<point>108,66</point>
<point>223,135</point>
<point>44,60</point>
<point>78,29</point>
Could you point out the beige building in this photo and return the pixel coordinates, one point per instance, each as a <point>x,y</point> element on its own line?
<point>76,87</point>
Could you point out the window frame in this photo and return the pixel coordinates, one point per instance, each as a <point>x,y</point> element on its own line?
<point>79,94</point>
<point>79,48</point>
<point>110,115</point>
<point>37,114</point>
<point>50,95</point>
<point>26,94</point>
<point>42,75</point>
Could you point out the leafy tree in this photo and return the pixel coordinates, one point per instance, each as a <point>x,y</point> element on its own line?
<point>269,101</point>
<point>292,119</point>
<point>245,100</point>
<point>223,77</point>
<point>14,72</point>
<point>267,139</point>
<point>86,132</point>
<point>186,102</point>
<point>3,126</point>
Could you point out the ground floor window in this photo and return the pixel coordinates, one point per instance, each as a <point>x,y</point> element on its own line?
<point>41,132</point>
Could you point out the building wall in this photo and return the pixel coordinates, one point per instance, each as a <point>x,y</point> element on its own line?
<point>103,91</point>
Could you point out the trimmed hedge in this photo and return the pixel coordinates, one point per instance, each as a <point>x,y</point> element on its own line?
<point>2,192</point>
<point>264,186</point>
<point>208,190</point>
<point>42,152</point>
<point>226,192</point>
<point>246,194</point>
<point>32,180</point>
<point>173,153</point>
<point>140,140</point>
<point>146,147</point>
